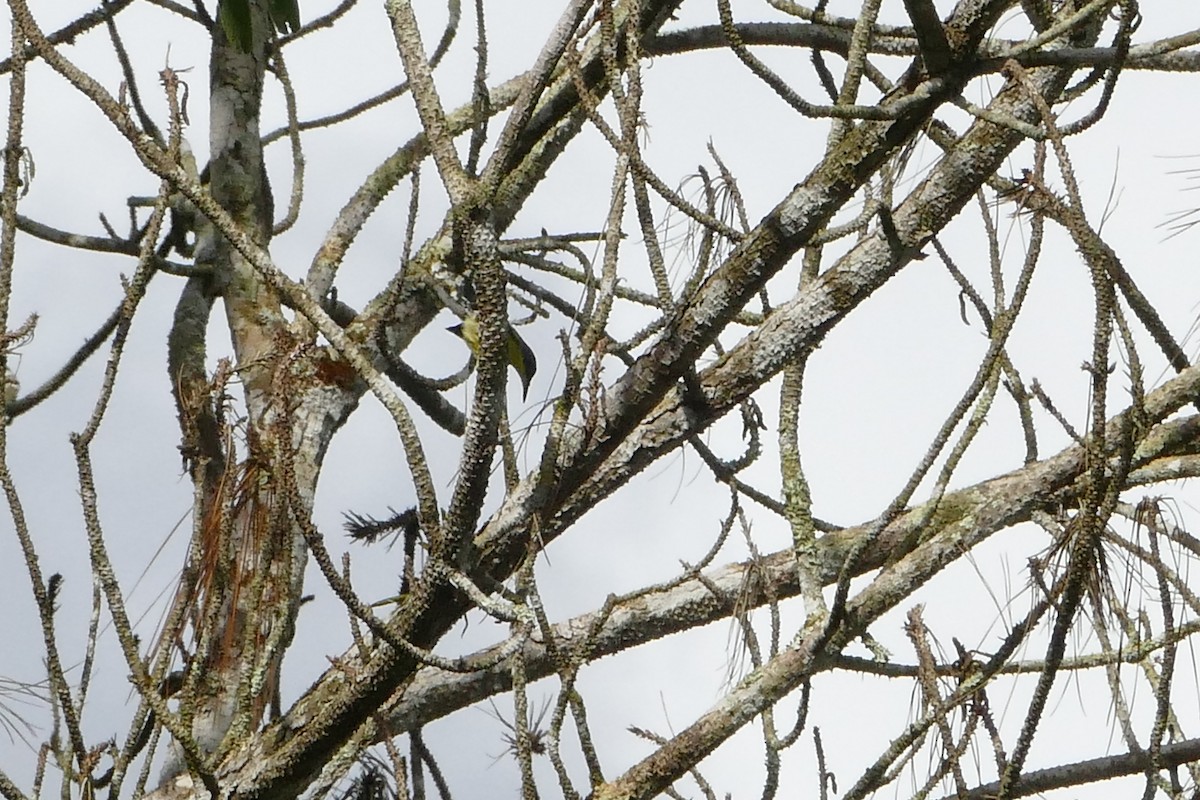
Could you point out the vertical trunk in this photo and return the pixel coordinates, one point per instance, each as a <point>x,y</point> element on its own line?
<point>245,585</point>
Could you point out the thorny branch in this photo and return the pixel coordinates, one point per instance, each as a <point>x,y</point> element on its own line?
<point>663,335</point>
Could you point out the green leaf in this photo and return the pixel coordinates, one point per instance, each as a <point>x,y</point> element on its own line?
<point>237,23</point>
<point>285,14</point>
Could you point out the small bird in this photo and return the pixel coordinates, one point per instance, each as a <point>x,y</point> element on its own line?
<point>520,355</point>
